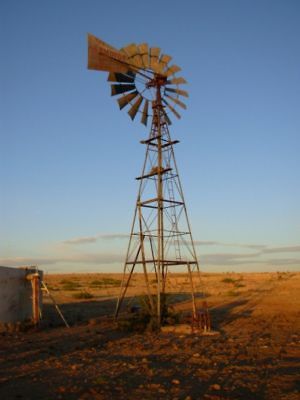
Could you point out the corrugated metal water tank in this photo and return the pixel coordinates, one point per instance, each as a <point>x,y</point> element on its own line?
<point>20,295</point>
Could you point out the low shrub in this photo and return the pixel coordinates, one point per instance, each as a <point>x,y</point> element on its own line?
<point>105,282</point>
<point>239,285</point>
<point>70,285</point>
<point>228,280</point>
<point>83,295</point>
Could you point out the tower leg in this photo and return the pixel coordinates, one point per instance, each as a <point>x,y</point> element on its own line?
<point>192,291</point>
<point>124,288</point>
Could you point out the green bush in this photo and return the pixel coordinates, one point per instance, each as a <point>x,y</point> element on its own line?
<point>70,285</point>
<point>228,280</point>
<point>111,281</point>
<point>239,285</point>
<point>82,295</point>
<point>105,282</point>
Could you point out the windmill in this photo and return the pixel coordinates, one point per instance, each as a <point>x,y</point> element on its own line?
<point>146,83</point>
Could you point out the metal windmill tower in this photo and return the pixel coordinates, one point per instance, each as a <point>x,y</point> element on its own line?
<point>160,237</point>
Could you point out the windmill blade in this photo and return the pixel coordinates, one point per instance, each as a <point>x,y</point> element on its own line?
<point>134,57</point>
<point>119,89</point>
<point>144,52</point>
<point>144,118</point>
<point>134,109</point>
<point>123,78</point>
<point>168,121</point>
<point>126,99</point>
<point>154,54</point>
<point>137,61</point>
<point>177,81</point>
<point>103,57</point>
<point>178,91</point>
<point>172,70</point>
<point>165,59</point>
<point>157,67</point>
<point>182,105</point>
<point>172,109</point>
<point>130,50</point>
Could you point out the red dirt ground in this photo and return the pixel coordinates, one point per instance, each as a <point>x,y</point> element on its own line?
<point>256,355</point>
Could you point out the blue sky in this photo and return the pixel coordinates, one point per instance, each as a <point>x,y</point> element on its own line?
<point>69,156</point>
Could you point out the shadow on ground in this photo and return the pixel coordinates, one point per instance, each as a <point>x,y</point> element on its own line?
<point>83,311</point>
<point>77,312</point>
<point>226,313</point>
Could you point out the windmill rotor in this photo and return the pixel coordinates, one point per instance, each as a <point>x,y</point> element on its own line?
<point>136,71</point>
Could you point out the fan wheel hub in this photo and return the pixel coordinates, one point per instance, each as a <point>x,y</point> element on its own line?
<point>157,82</point>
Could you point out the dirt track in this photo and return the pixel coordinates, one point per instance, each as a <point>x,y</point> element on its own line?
<point>256,355</point>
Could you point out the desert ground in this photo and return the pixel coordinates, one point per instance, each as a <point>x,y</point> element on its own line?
<point>256,354</point>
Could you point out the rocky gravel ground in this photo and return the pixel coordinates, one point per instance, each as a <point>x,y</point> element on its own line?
<point>255,356</point>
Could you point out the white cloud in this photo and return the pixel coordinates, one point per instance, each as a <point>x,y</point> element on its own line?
<point>90,258</point>
<point>239,245</point>
<point>96,258</point>
<point>81,240</point>
<point>284,261</point>
<point>93,239</point>
<point>20,261</point>
<point>261,248</point>
<point>258,255</point>
<point>102,259</point>
<point>228,258</point>
<point>205,243</point>
<point>282,249</point>
<point>112,236</point>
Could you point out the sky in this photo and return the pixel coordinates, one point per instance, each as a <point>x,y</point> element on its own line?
<point>69,156</point>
